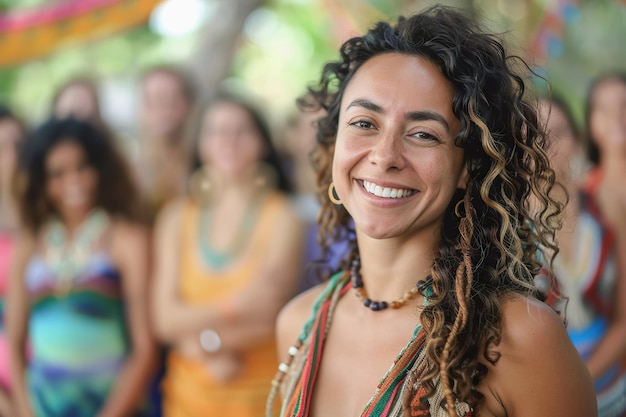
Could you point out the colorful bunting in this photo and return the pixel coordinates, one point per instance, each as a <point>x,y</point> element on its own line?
<point>27,34</point>
<point>548,38</point>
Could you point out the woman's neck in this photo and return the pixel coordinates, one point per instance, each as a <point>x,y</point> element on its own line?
<point>235,194</point>
<point>389,267</point>
<point>170,150</point>
<point>613,166</point>
<point>72,221</point>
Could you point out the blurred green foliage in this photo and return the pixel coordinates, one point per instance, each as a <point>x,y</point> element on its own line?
<point>10,4</point>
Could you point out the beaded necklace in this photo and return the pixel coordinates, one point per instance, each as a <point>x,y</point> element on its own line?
<point>67,257</point>
<point>357,284</point>
<point>218,260</point>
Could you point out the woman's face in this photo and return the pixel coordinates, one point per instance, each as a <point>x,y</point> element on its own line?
<point>165,108</point>
<point>608,116</point>
<point>395,165</point>
<point>10,135</point>
<point>230,142</point>
<point>79,101</point>
<point>563,148</point>
<point>70,181</point>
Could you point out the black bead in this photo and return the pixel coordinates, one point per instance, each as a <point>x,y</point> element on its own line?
<point>375,305</point>
<point>367,302</point>
<point>383,305</point>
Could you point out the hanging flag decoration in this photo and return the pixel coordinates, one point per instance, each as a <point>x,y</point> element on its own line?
<point>351,17</point>
<point>548,39</point>
<point>31,33</point>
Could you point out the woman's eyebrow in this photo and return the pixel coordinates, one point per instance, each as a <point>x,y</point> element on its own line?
<point>428,115</point>
<point>361,102</point>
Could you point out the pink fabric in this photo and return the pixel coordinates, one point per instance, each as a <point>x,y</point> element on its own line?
<point>5,376</point>
<point>6,248</point>
<point>45,14</point>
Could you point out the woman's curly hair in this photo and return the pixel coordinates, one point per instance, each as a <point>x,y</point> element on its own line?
<point>489,241</point>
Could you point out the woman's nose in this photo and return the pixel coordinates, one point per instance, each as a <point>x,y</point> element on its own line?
<point>387,152</point>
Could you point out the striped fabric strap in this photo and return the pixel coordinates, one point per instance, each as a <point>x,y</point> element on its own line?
<point>317,329</point>
<point>387,394</point>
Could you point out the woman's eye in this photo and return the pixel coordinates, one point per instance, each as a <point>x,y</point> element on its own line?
<point>54,174</point>
<point>425,136</point>
<point>83,166</point>
<point>362,124</point>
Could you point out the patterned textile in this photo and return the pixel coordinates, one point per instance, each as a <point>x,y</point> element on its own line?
<point>78,339</point>
<point>588,281</point>
<point>387,400</point>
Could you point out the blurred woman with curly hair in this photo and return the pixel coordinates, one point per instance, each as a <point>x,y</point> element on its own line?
<point>79,278</point>
<point>431,147</point>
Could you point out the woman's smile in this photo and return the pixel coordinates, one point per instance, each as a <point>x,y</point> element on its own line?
<point>386,191</point>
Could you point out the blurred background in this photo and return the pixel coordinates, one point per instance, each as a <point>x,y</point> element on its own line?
<point>115,64</point>
<point>271,48</point>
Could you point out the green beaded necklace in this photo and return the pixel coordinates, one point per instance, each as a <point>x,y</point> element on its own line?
<point>220,260</point>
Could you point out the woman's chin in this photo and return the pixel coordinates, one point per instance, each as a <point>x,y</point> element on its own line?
<point>75,209</point>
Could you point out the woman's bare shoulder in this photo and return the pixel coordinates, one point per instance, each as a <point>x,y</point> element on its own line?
<point>172,210</point>
<point>526,320</point>
<point>26,244</point>
<point>128,234</point>
<point>294,314</point>
<point>537,370</point>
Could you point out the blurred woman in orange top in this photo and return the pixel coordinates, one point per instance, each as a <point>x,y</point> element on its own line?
<point>227,260</point>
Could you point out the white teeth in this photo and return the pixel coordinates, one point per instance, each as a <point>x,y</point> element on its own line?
<point>385,192</point>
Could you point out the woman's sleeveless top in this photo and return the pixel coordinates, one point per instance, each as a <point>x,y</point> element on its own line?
<point>189,388</point>
<point>78,338</point>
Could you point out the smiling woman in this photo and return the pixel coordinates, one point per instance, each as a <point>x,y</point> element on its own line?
<point>77,287</point>
<point>431,150</point>
<point>399,140</point>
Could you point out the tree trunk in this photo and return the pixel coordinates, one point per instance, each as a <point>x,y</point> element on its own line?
<point>212,61</point>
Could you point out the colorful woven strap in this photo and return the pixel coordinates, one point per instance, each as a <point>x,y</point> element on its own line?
<point>300,402</point>
<point>387,394</point>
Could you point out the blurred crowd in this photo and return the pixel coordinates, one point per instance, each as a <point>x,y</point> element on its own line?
<point>145,280</point>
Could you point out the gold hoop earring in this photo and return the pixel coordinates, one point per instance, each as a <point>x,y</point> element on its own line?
<point>266,177</point>
<point>457,208</point>
<point>332,194</point>
<point>200,186</point>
